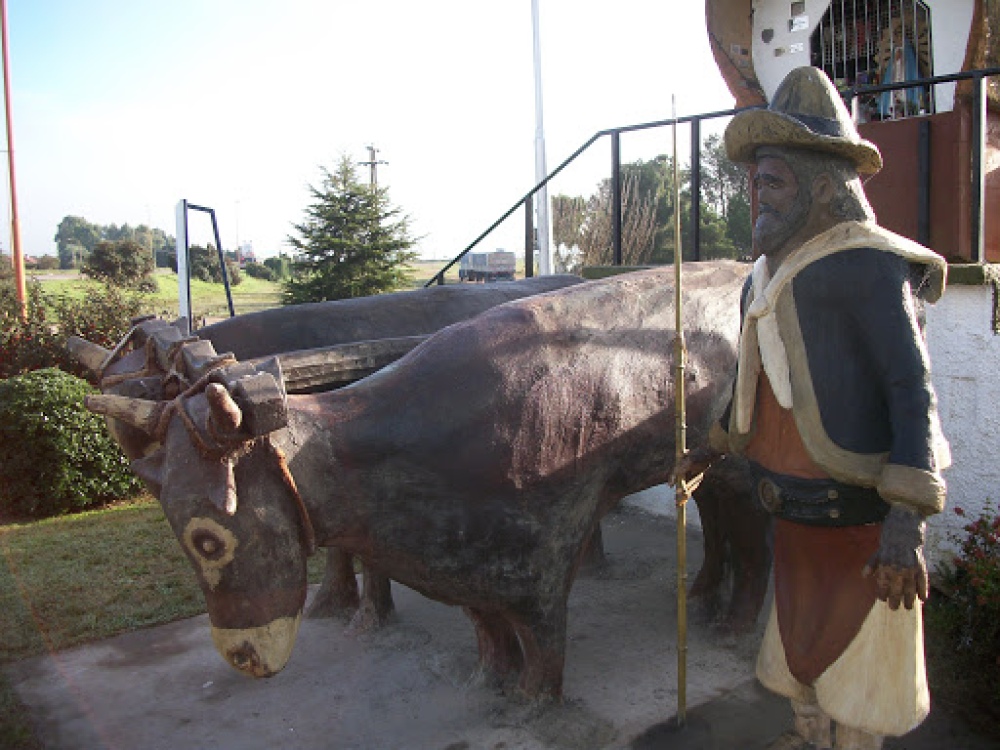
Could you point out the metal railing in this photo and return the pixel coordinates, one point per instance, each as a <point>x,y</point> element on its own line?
<point>851,96</point>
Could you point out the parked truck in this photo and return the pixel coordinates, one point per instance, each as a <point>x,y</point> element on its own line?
<point>497,265</point>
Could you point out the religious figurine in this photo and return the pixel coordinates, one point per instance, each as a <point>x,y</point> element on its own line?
<point>834,408</point>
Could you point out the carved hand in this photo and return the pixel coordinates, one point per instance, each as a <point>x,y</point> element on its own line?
<point>898,565</point>
<point>694,463</point>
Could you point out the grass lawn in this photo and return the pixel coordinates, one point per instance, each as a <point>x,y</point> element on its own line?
<point>73,579</point>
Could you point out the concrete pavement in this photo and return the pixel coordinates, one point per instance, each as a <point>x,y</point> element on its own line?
<point>414,683</point>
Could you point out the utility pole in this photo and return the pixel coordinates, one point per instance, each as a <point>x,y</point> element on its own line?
<point>17,256</point>
<point>372,165</point>
<point>542,196</point>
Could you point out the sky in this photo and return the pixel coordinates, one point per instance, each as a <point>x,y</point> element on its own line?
<point>121,108</point>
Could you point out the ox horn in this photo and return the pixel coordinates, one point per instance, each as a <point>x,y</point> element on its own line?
<point>137,412</point>
<point>91,355</point>
<point>225,413</point>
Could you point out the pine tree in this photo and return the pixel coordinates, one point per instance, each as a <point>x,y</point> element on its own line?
<point>352,243</point>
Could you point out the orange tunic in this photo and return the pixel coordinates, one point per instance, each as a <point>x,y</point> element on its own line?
<point>820,595</point>
<point>776,444</point>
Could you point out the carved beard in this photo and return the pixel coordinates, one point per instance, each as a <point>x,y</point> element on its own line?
<point>773,230</point>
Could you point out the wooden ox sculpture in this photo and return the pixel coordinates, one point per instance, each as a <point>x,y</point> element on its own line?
<point>322,346</point>
<point>473,470</point>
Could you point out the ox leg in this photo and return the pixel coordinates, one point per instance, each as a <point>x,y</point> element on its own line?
<point>593,558</point>
<point>708,584</point>
<point>542,635</point>
<point>499,650</point>
<point>737,546</point>
<point>338,593</point>
<point>376,603</point>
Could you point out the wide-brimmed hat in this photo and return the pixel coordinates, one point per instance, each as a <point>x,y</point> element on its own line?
<point>808,113</point>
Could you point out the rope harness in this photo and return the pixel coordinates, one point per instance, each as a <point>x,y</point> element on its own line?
<point>211,443</point>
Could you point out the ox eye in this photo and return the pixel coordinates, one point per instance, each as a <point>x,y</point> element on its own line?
<point>208,544</point>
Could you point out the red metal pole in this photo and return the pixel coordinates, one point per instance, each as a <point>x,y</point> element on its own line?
<point>15,227</point>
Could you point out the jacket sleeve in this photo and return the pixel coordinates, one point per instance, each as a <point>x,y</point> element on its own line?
<point>884,314</point>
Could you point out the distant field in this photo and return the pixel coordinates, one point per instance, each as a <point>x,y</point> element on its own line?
<point>209,300</point>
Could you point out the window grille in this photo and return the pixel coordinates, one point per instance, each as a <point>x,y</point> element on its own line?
<point>869,42</point>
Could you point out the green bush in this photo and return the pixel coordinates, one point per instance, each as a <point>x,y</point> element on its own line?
<point>43,263</point>
<point>55,456</point>
<point>122,262</point>
<point>203,264</point>
<point>103,315</point>
<point>260,271</point>
<point>27,343</point>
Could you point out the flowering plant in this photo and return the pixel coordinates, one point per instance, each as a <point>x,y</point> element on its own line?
<point>972,580</point>
<point>977,566</point>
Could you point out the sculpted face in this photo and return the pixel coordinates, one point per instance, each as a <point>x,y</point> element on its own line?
<point>248,557</point>
<point>783,206</point>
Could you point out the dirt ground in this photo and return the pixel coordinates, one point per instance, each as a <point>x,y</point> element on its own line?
<point>413,685</point>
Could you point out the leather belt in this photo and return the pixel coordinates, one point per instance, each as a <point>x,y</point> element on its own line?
<point>817,502</point>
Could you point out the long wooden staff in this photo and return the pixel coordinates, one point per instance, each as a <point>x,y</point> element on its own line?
<point>681,491</point>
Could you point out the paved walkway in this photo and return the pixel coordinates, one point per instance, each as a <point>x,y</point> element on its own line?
<point>413,685</point>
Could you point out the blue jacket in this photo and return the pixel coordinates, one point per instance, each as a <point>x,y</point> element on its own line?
<point>848,306</point>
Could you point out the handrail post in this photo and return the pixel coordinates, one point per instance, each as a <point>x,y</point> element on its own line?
<point>529,239</point>
<point>616,197</point>
<point>222,263</point>
<point>978,207</point>
<point>695,189</point>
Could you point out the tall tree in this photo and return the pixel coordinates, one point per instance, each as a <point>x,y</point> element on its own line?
<point>582,227</point>
<point>638,223</point>
<point>352,243</point>
<point>726,189</point>
<point>75,239</point>
<point>568,216</point>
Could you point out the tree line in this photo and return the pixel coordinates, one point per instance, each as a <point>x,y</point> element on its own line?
<point>76,239</point>
<point>582,227</point>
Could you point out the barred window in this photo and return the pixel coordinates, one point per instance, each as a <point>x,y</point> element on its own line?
<point>869,42</point>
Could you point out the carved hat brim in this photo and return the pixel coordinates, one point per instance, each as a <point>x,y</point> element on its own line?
<point>808,113</point>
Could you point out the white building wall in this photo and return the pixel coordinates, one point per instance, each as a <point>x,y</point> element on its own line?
<point>965,362</point>
<point>951,21</point>
<point>787,50</point>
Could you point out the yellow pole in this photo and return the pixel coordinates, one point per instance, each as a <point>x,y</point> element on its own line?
<point>15,228</point>
<point>680,419</point>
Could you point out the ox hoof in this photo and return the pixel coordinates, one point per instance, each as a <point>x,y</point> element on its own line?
<point>490,679</point>
<point>369,619</point>
<point>331,604</point>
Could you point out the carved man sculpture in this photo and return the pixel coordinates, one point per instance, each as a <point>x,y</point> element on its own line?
<point>834,408</point>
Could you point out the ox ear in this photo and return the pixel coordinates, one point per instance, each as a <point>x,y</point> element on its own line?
<point>150,469</point>
<point>222,487</point>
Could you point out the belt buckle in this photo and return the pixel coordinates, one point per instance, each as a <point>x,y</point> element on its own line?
<point>770,495</point>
